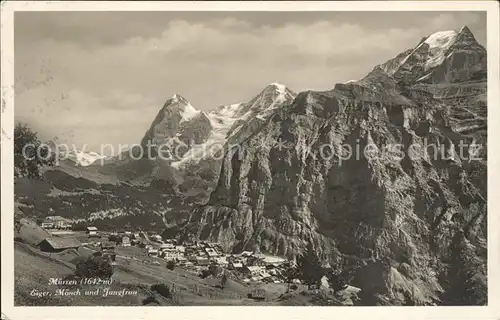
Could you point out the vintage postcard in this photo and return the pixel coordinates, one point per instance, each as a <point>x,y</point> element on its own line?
<point>288,155</point>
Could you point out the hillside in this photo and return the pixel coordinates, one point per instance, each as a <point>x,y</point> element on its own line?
<point>107,206</point>
<point>33,269</point>
<point>408,217</point>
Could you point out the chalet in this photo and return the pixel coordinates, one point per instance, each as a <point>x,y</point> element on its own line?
<point>181,261</point>
<point>188,263</point>
<point>108,246</point>
<point>170,254</point>
<point>47,224</point>
<point>236,265</point>
<point>222,261</point>
<point>213,256</point>
<point>55,218</point>
<point>252,270</point>
<point>55,222</point>
<point>211,253</point>
<point>246,253</point>
<point>238,258</point>
<point>202,244</point>
<point>201,253</point>
<point>202,261</point>
<point>60,224</point>
<point>272,272</point>
<point>218,248</point>
<point>243,260</point>
<point>156,237</point>
<point>153,252</point>
<point>167,246</point>
<point>94,243</point>
<point>92,232</point>
<point>256,278</point>
<point>126,241</point>
<point>55,244</point>
<point>271,260</point>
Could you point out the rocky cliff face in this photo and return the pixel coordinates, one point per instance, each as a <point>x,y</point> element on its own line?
<point>372,173</point>
<point>180,125</point>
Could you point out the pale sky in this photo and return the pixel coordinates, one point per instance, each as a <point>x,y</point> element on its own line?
<point>94,78</point>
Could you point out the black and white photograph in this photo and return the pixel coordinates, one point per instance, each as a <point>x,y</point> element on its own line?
<point>244,157</point>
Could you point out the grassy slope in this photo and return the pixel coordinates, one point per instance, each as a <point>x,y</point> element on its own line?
<point>33,270</point>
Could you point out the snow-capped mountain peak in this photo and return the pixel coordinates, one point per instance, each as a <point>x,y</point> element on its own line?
<point>420,62</point>
<point>441,39</point>
<point>87,158</point>
<point>277,92</point>
<point>228,120</point>
<point>276,87</point>
<point>79,157</point>
<point>438,43</point>
<point>271,96</point>
<point>186,111</point>
<point>189,113</point>
<point>280,87</point>
<point>177,98</point>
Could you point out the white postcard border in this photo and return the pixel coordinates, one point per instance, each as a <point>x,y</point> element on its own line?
<point>492,311</point>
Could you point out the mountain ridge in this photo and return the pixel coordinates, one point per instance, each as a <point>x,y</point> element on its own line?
<point>427,60</point>
<point>184,141</point>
